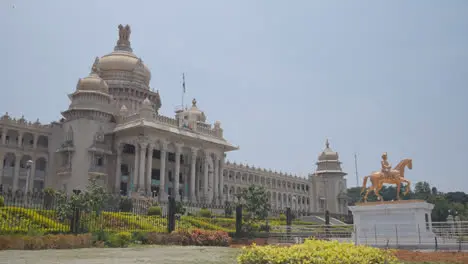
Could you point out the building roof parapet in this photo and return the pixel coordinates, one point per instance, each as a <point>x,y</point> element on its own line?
<point>6,119</point>
<point>173,122</point>
<point>234,165</point>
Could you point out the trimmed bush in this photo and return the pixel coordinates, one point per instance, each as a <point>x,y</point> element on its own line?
<point>155,210</point>
<point>121,239</point>
<point>282,217</point>
<point>316,251</point>
<point>205,213</point>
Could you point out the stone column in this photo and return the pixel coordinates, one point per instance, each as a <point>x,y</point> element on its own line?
<point>221,180</point>
<point>149,168</point>
<point>36,137</point>
<point>193,169</point>
<point>32,175</point>
<point>20,139</point>
<point>4,135</point>
<point>178,150</point>
<point>197,178</point>
<point>135,169</point>
<point>162,174</point>
<point>215,180</point>
<point>205,178</point>
<point>141,174</point>
<point>118,177</point>
<point>16,172</point>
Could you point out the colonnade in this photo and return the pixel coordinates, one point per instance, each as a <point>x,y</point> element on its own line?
<point>205,180</point>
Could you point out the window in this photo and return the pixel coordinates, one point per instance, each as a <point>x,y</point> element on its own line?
<point>427,221</point>
<point>169,175</point>
<point>157,154</point>
<point>128,149</point>
<point>181,178</point>
<point>155,174</point>
<point>99,161</point>
<point>322,204</point>
<point>171,157</point>
<point>124,169</point>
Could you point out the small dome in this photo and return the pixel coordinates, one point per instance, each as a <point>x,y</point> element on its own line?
<point>194,111</point>
<point>93,82</point>
<point>328,153</point>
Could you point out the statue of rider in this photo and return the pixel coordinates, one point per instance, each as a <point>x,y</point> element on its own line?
<point>386,166</point>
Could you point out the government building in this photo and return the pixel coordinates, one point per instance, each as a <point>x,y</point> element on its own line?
<point>112,132</point>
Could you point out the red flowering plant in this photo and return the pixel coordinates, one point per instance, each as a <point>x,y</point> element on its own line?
<point>200,237</point>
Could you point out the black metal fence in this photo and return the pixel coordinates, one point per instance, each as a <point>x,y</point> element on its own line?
<point>44,212</point>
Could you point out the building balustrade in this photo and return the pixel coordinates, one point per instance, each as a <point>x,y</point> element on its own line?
<point>64,170</point>
<point>98,169</point>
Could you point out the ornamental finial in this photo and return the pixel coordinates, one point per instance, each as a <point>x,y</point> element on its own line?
<point>124,38</point>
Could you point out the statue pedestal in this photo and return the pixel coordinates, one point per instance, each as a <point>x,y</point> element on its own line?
<point>398,223</point>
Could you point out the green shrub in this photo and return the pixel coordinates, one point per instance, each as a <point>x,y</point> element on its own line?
<point>100,235</point>
<point>155,210</point>
<point>121,239</point>
<point>2,201</point>
<point>180,209</point>
<point>140,236</point>
<point>126,204</point>
<point>282,217</point>
<point>317,251</point>
<point>205,213</point>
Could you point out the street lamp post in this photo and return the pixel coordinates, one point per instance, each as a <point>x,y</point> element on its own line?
<point>29,164</point>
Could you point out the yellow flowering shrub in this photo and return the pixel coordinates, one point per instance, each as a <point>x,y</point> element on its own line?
<point>316,252</point>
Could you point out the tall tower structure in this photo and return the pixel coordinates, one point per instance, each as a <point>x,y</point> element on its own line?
<point>329,181</point>
<point>86,121</point>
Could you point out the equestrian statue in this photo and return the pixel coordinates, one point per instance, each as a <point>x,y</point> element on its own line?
<point>387,175</point>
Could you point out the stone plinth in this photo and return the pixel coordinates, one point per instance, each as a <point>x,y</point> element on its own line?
<point>396,223</point>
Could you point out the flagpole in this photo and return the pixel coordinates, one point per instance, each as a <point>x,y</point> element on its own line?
<point>355,167</point>
<point>183,90</point>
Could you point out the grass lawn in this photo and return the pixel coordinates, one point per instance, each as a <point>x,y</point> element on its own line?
<point>160,255</point>
<point>134,254</point>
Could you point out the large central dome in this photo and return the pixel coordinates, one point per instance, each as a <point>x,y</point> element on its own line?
<point>123,63</point>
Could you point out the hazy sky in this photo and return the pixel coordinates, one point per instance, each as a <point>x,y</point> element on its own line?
<point>281,76</point>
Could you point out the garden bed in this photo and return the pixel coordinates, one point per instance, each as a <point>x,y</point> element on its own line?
<point>432,257</point>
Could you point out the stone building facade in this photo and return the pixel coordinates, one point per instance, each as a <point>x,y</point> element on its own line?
<point>112,131</point>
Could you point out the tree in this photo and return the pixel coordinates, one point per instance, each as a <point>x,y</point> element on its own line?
<point>255,202</point>
<point>440,211</point>
<point>92,200</point>
<point>422,190</point>
<point>457,197</point>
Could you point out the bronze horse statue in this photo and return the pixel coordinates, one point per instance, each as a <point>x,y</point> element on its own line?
<point>395,176</point>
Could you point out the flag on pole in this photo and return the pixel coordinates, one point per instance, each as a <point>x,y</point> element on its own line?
<point>183,81</point>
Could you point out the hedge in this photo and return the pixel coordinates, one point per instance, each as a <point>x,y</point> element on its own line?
<point>316,252</point>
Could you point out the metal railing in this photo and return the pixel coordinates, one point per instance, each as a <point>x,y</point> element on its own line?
<point>438,236</point>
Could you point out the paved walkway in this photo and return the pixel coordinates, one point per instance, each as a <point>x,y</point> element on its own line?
<point>150,254</point>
